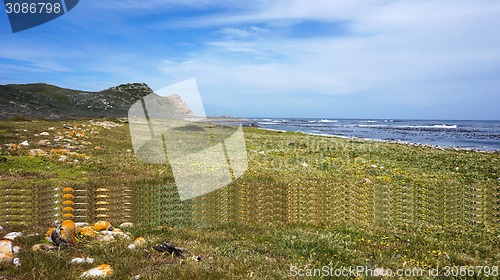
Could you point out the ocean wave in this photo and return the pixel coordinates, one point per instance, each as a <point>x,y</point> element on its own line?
<point>371,125</point>
<point>327,121</point>
<point>269,123</point>
<point>444,126</point>
<point>436,126</point>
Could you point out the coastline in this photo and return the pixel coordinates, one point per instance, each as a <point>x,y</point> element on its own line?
<point>407,143</point>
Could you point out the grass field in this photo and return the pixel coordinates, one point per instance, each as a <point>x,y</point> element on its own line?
<point>305,201</point>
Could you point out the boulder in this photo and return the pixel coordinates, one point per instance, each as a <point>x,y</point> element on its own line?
<point>103,270</point>
<point>6,252</point>
<point>102,225</point>
<point>13,235</point>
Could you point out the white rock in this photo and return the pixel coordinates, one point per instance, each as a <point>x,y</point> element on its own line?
<point>81,224</point>
<point>1,228</point>
<point>304,164</point>
<point>101,271</point>
<point>82,260</point>
<point>126,225</point>
<point>126,236</point>
<point>16,261</point>
<point>24,143</point>
<point>107,232</point>
<point>13,235</point>
<point>16,249</point>
<point>373,166</point>
<point>105,238</point>
<point>63,158</point>
<point>43,143</point>
<point>6,252</point>
<point>131,246</point>
<point>45,133</point>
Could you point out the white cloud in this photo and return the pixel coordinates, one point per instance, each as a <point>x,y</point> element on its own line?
<point>412,53</point>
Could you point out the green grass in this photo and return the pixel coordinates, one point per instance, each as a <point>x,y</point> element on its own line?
<point>306,201</point>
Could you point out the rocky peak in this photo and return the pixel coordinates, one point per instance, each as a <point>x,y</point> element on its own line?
<point>179,105</point>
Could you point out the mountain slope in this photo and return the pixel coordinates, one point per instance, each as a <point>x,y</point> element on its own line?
<point>32,101</point>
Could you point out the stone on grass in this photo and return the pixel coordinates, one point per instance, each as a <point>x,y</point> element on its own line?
<point>105,238</point>
<point>126,225</point>
<point>64,233</point>
<point>138,242</point>
<point>13,235</point>
<point>102,225</point>
<point>37,152</point>
<point>82,260</point>
<point>6,252</point>
<point>81,224</point>
<point>103,270</point>
<point>24,143</point>
<point>48,233</point>
<point>88,231</point>
<point>43,247</point>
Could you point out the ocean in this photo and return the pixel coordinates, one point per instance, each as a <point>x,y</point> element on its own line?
<point>476,135</point>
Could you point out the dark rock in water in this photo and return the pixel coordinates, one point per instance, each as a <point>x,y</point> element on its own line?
<point>253,124</point>
<point>170,248</point>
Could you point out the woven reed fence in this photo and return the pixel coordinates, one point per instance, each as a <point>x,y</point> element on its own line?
<point>322,202</point>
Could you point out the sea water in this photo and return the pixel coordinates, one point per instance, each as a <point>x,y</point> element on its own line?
<point>466,134</point>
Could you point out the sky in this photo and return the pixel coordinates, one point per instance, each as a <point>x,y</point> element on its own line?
<point>378,59</point>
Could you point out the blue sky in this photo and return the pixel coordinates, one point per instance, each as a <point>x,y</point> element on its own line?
<point>421,59</point>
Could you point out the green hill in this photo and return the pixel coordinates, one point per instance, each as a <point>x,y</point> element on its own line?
<point>44,101</point>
